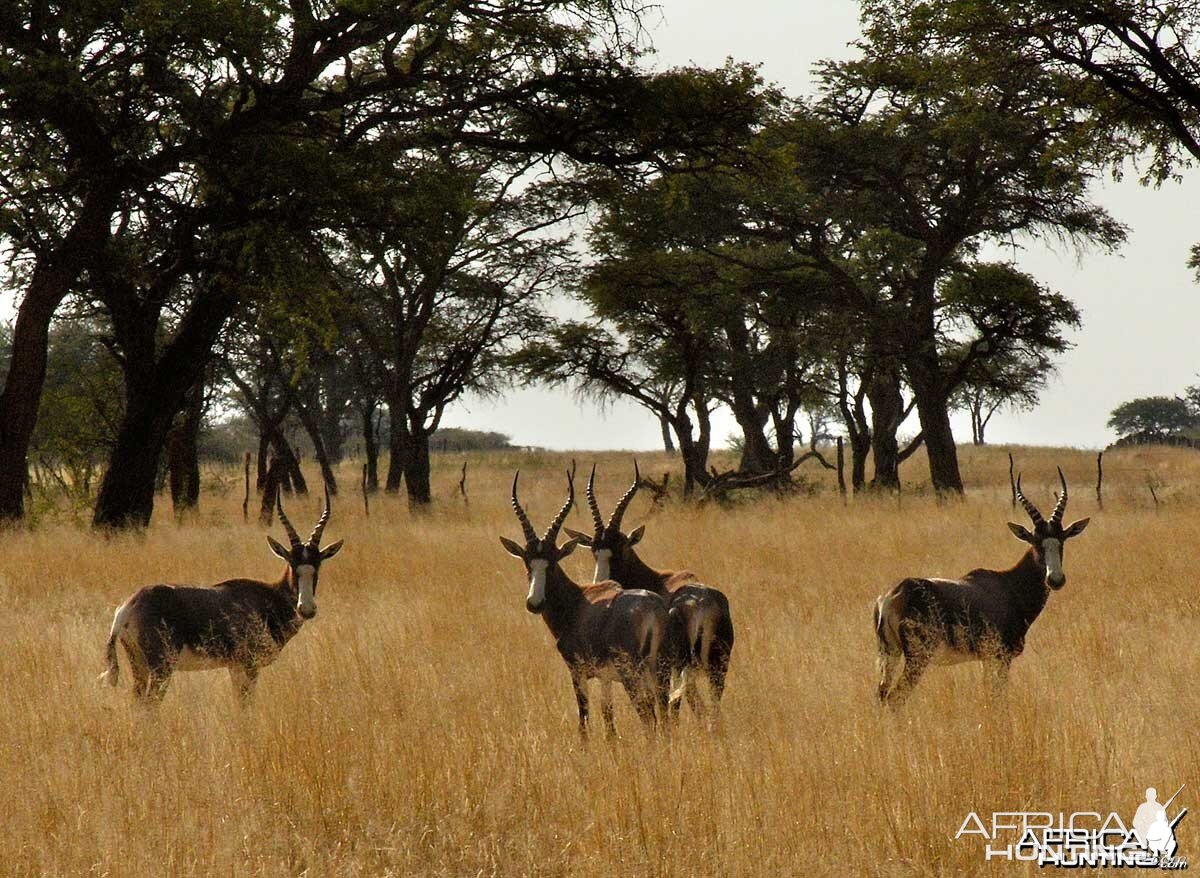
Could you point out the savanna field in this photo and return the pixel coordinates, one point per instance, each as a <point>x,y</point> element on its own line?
<point>423,723</point>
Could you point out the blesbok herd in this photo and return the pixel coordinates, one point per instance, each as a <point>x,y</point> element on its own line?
<point>659,633</point>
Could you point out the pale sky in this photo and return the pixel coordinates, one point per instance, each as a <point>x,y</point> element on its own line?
<point>1140,307</point>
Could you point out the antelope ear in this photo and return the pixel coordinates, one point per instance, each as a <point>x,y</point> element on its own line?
<point>278,549</point>
<point>1021,533</point>
<point>582,539</point>
<point>512,548</point>
<point>1076,529</point>
<point>636,536</point>
<point>329,551</point>
<point>568,547</point>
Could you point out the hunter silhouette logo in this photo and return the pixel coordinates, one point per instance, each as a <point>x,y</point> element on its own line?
<point>1151,826</point>
<point>1083,839</point>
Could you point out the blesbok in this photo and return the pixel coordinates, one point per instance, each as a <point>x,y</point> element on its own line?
<point>601,630</point>
<point>984,616</point>
<point>239,624</point>
<point>699,613</point>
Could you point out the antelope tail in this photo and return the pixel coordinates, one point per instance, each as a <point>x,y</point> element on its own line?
<point>679,680</point>
<point>651,639</point>
<point>702,618</point>
<point>889,610</point>
<point>112,671</point>
<point>676,629</point>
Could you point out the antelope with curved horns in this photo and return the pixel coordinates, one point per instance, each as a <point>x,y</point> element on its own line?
<point>701,622</point>
<point>601,630</point>
<point>982,617</point>
<point>239,624</point>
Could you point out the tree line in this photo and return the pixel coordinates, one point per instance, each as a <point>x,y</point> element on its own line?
<point>348,216</point>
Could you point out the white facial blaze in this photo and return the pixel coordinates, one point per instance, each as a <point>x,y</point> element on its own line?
<point>306,603</point>
<point>537,582</point>
<point>603,565</point>
<point>1052,550</point>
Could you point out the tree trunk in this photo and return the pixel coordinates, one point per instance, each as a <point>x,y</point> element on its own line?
<point>308,420</point>
<point>263,460</point>
<point>290,478</point>
<point>664,424</point>
<point>51,281</point>
<point>693,450</point>
<point>329,421</point>
<point>126,496</point>
<point>887,408</point>
<point>923,365</point>
<point>183,454</point>
<point>157,389</point>
<point>757,455</point>
<point>934,412</point>
<point>704,439</point>
<point>370,447</point>
<point>692,467</point>
<point>860,450</point>
<point>416,472</point>
<point>693,454</point>
<point>979,421</point>
<point>397,444</point>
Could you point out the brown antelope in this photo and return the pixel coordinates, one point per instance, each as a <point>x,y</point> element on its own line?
<point>601,630</point>
<point>982,617</point>
<point>239,624</point>
<point>702,634</point>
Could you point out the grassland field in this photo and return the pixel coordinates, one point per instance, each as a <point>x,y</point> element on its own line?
<point>423,723</point>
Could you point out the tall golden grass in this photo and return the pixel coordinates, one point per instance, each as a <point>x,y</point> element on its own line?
<point>423,724</point>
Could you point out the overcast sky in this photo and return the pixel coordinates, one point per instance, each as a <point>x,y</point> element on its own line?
<point>1139,306</point>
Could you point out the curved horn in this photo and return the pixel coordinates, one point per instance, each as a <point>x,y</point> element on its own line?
<point>623,503</point>
<point>1056,516</point>
<point>552,530</point>
<point>287,525</point>
<point>593,505</point>
<point>1029,507</point>
<point>530,533</point>
<point>315,539</point>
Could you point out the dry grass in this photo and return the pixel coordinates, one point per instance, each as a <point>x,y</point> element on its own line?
<point>423,724</point>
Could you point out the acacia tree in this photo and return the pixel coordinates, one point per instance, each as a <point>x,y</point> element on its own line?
<point>673,277</point>
<point>1012,328</point>
<point>664,370</point>
<point>910,163</point>
<point>106,106</point>
<point>1152,417</point>
<point>1130,65</point>
<point>997,383</point>
<point>250,363</point>
<point>441,279</point>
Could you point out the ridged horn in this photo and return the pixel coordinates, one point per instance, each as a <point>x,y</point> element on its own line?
<point>614,523</point>
<point>1056,516</point>
<point>530,533</point>
<point>552,530</point>
<point>315,539</point>
<point>597,518</point>
<point>283,519</point>
<point>1029,507</point>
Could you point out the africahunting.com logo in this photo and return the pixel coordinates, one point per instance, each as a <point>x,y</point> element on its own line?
<point>1082,839</point>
